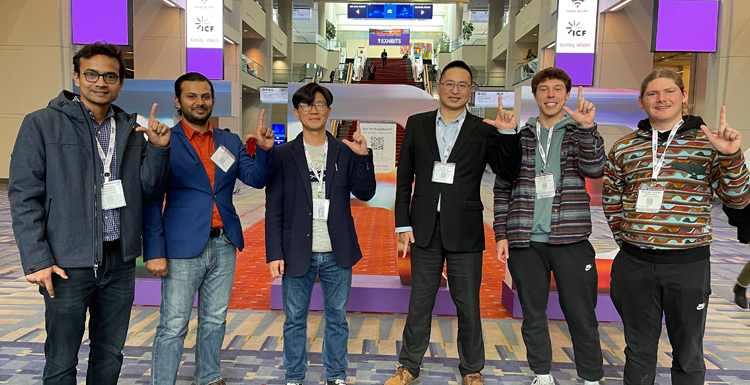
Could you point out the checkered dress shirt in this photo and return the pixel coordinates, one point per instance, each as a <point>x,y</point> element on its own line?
<point>111,223</point>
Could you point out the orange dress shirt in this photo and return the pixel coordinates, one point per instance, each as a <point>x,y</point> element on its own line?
<point>204,147</point>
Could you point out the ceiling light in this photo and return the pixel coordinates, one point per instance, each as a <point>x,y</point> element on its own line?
<point>551,45</point>
<point>169,3</point>
<point>229,40</point>
<point>620,5</point>
<point>244,30</point>
<point>535,34</point>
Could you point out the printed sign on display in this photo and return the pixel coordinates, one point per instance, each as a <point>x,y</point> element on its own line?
<point>389,37</point>
<point>205,23</point>
<point>576,26</point>
<point>274,95</point>
<point>489,99</point>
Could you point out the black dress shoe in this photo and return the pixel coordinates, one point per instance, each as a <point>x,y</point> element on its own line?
<point>740,296</point>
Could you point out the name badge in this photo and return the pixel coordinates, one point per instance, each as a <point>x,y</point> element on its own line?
<point>113,196</point>
<point>443,172</point>
<point>320,208</point>
<point>223,158</point>
<point>545,185</point>
<point>649,199</point>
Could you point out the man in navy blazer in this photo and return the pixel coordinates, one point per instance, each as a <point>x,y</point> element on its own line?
<point>192,245</point>
<point>310,230</point>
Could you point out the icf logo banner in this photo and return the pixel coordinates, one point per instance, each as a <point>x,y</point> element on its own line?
<point>205,23</point>
<point>576,26</point>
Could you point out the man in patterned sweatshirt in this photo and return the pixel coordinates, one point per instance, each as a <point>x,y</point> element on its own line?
<point>659,184</point>
<point>543,221</point>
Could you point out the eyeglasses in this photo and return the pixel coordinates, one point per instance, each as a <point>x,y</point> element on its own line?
<point>93,77</point>
<point>320,106</point>
<point>461,86</point>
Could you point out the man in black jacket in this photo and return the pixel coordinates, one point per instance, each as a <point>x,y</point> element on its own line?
<point>447,151</point>
<point>79,171</point>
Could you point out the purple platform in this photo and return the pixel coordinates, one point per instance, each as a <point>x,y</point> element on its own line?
<point>148,292</point>
<point>372,294</point>
<point>605,310</point>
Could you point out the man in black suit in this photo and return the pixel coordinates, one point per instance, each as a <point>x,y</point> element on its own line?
<point>310,230</point>
<point>446,151</point>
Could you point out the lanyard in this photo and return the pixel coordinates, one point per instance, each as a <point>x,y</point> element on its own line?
<point>544,154</point>
<point>312,167</point>
<point>107,159</point>
<point>657,165</point>
<point>449,147</point>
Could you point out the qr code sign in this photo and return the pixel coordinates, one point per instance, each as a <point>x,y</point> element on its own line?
<point>378,143</point>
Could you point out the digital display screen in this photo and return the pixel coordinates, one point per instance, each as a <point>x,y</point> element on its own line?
<point>669,33</point>
<point>488,99</point>
<point>375,11</point>
<point>423,11</point>
<point>357,11</point>
<point>301,14</point>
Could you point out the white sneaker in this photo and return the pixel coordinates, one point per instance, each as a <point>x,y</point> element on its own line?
<point>539,380</point>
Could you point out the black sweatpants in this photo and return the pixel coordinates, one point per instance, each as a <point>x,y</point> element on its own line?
<point>574,266</point>
<point>464,272</point>
<point>642,292</point>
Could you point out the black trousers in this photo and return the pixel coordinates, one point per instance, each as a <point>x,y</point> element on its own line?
<point>108,299</point>
<point>464,279</point>
<point>642,292</point>
<point>385,62</point>
<point>574,267</point>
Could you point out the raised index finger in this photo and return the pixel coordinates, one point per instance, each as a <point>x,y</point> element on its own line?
<point>723,115</point>
<point>499,102</point>
<point>580,92</point>
<point>260,120</point>
<point>153,113</point>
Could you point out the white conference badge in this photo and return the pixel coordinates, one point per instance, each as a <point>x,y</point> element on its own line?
<point>320,208</point>
<point>649,199</point>
<point>545,185</point>
<point>113,196</point>
<point>443,172</point>
<point>223,158</point>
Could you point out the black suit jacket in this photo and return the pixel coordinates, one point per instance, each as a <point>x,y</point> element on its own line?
<point>461,221</point>
<point>289,204</point>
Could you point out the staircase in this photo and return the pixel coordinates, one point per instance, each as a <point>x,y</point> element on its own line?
<point>397,71</point>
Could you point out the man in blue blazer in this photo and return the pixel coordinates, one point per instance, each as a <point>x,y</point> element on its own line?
<point>310,230</point>
<point>193,244</point>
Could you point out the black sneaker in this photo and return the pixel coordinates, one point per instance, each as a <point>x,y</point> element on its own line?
<point>740,296</point>
<point>336,382</point>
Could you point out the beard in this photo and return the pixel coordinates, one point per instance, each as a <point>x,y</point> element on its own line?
<point>193,119</point>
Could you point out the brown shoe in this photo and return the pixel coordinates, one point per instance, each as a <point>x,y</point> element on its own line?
<point>473,379</point>
<point>222,381</point>
<point>402,377</point>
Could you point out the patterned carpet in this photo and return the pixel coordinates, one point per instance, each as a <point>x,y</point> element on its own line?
<point>252,347</point>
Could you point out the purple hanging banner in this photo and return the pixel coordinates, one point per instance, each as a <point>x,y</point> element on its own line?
<point>87,27</point>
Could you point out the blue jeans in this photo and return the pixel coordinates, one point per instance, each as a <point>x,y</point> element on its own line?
<point>336,283</point>
<point>108,297</point>
<point>211,273</point>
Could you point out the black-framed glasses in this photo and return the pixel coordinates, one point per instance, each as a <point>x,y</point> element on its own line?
<point>320,106</point>
<point>461,86</point>
<point>93,77</point>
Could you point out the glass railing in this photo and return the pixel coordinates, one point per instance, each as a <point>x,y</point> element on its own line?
<point>251,67</point>
<point>260,4</point>
<point>501,23</point>
<point>308,72</point>
<point>482,78</point>
<point>314,38</point>
<point>476,40</point>
<point>522,4</point>
<point>279,20</point>
<point>526,71</point>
